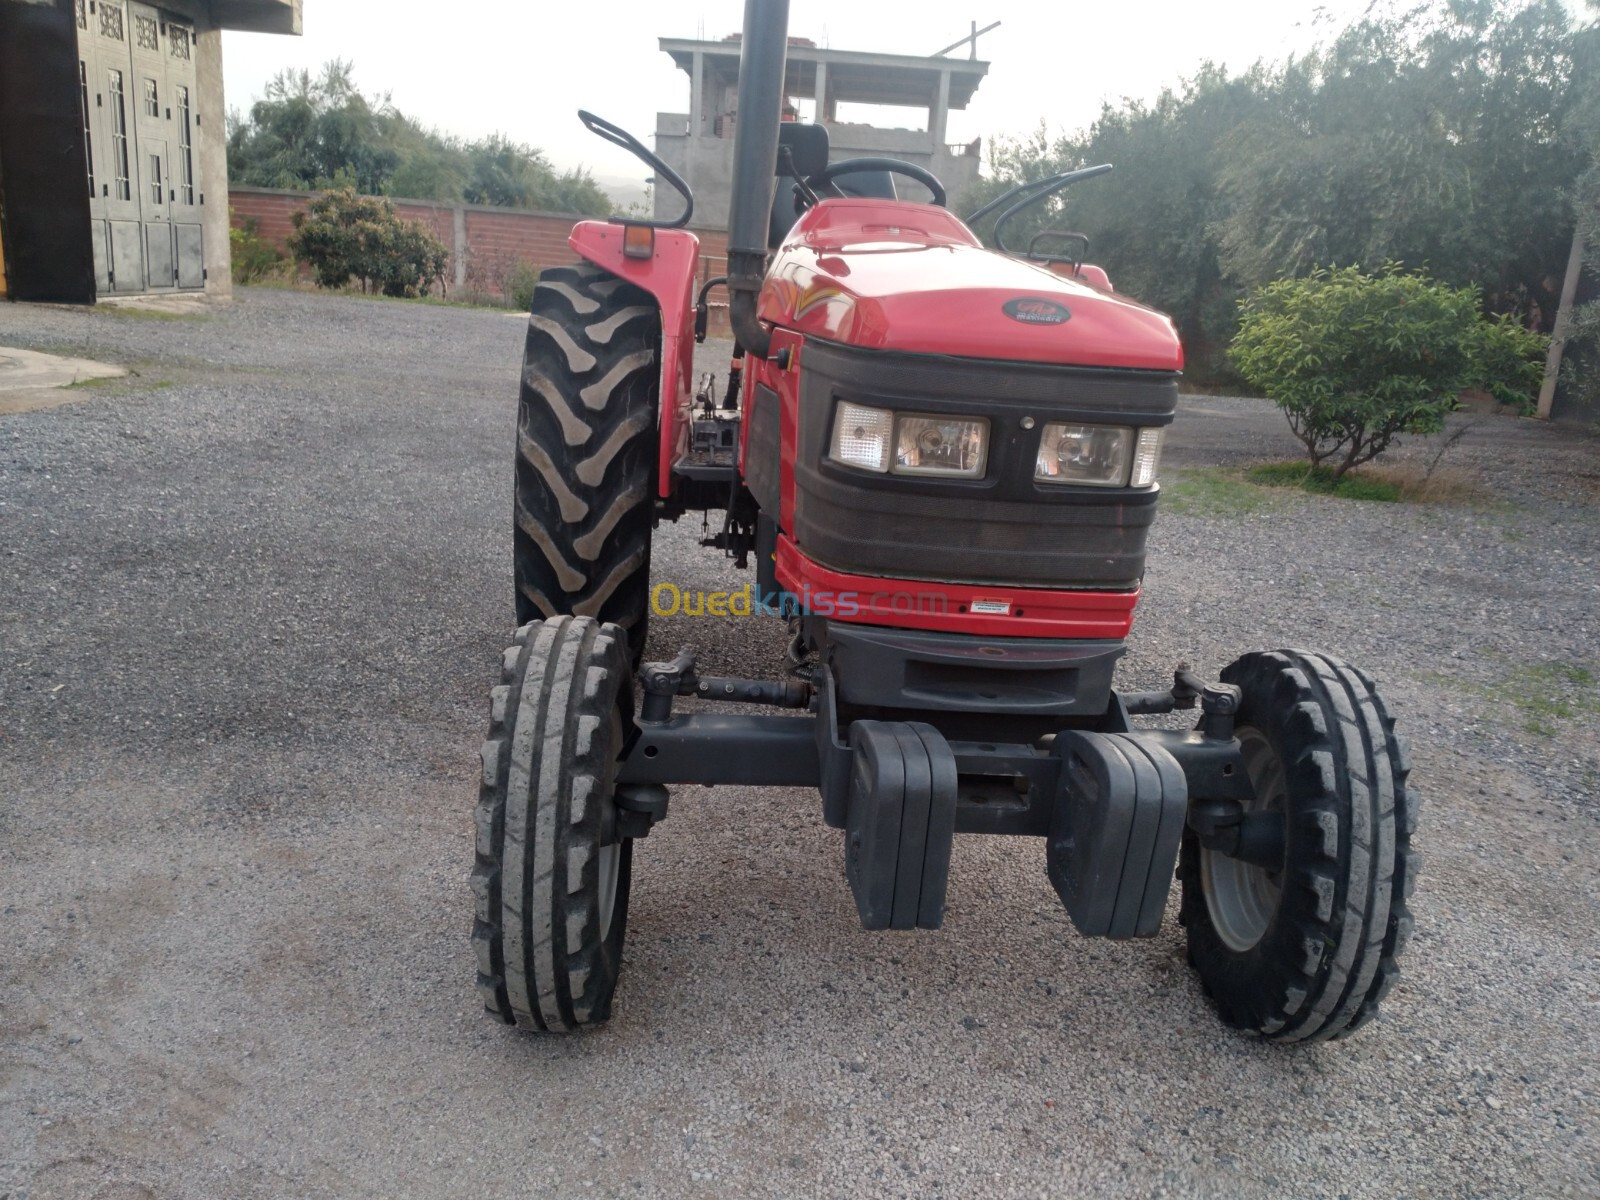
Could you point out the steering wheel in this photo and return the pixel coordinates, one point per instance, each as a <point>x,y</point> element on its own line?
<point>825,177</point>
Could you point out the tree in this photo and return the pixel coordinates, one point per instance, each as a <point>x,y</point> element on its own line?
<point>319,131</point>
<point>504,172</point>
<point>1440,138</point>
<point>309,131</point>
<point>1431,139</point>
<point>1354,360</point>
<point>1575,346</point>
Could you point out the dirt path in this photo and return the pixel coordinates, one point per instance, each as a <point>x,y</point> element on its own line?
<point>251,600</point>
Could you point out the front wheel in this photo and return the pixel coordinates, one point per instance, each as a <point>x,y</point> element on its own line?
<point>1307,950</point>
<point>551,875</point>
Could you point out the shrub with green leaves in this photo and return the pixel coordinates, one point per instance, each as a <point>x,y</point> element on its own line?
<point>1509,361</point>
<point>254,258</point>
<point>1355,360</point>
<point>520,282</point>
<point>347,236</point>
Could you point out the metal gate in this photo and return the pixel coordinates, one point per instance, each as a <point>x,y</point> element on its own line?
<point>141,132</point>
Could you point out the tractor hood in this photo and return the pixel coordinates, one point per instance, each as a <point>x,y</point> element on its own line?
<point>889,275</point>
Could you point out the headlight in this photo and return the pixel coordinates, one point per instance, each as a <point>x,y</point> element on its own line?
<point>1094,455</point>
<point>940,446</point>
<point>922,444</point>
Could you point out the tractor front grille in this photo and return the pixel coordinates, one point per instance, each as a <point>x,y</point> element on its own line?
<point>1001,529</point>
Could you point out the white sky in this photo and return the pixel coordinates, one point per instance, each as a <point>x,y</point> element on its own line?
<point>523,67</point>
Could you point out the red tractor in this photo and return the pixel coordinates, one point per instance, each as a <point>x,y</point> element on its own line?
<point>942,459</point>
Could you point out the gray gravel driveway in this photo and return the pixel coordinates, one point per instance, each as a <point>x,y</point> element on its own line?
<point>251,601</point>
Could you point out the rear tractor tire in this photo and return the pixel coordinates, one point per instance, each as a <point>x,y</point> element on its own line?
<point>551,873</point>
<point>1307,952</point>
<point>587,451</point>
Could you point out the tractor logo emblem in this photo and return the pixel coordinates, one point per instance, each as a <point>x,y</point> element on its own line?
<point>1035,310</point>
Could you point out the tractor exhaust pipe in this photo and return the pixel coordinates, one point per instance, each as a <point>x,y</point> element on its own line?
<point>762,56</point>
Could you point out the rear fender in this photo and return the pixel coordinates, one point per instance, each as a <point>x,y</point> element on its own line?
<point>668,275</point>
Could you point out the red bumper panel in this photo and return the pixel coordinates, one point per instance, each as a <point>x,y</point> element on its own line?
<point>979,610</point>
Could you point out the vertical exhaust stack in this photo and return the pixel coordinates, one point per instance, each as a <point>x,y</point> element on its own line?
<point>762,58</point>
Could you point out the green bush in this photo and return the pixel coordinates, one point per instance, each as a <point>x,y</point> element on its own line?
<point>1355,360</point>
<point>254,258</point>
<point>520,282</point>
<point>348,236</point>
<point>1509,361</point>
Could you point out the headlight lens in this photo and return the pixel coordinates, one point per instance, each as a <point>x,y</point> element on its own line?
<point>1147,456</point>
<point>1092,455</point>
<point>861,436</point>
<point>921,443</point>
<point>954,448</point>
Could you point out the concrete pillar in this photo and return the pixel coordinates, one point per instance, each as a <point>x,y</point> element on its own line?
<point>940,113</point>
<point>697,96</point>
<point>212,137</point>
<point>459,230</point>
<point>822,93</point>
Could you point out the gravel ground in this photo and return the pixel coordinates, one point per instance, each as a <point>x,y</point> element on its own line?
<point>251,600</point>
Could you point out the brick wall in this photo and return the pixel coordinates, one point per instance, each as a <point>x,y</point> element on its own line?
<point>496,238</point>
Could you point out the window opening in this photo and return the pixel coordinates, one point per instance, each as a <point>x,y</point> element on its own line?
<point>88,142</point>
<point>119,137</point>
<point>185,148</point>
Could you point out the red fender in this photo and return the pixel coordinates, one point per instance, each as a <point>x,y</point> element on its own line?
<point>668,275</point>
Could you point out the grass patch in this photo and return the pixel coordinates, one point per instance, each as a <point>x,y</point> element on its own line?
<point>1549,693</point>
<point>133,381</point>
<point>1212,490</point>
<point>1354,486</point>
<point>1385,483</point>
<point>1442,485</point>
<point>1544,695</point>
<point>149,314</point>
<point>469,300</point>
<point>1225,492</point>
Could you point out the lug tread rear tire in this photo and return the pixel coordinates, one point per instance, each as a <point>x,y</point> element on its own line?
<point>544,810</point>
<point>586,450</point>
<point>1329,956</point>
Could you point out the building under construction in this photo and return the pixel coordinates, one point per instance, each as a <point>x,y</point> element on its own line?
<point>698,144</point>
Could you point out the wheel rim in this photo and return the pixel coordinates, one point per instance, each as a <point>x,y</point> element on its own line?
<point>1243,898</point>
<point>610,864</point>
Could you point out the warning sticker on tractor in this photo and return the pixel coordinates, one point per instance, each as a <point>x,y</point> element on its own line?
<point>992,608</point>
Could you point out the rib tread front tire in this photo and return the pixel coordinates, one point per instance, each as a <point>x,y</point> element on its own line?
<point>1329,953</point>
<point>587,450</point>
<point>548,931</point>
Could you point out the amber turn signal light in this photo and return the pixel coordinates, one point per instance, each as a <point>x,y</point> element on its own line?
<point>638,241</point>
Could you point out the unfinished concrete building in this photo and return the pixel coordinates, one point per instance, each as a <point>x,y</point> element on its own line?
<point>698,144</point>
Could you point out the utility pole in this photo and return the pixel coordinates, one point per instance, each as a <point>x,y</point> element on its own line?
<point>1558,335</point>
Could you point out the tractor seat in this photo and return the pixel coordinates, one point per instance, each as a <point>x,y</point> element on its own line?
<point>808,155</point>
